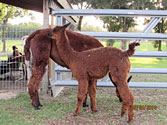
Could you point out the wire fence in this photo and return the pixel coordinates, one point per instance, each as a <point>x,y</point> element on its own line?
<point>12,67</point>
<point>13,73</point>
<point>16,32</point>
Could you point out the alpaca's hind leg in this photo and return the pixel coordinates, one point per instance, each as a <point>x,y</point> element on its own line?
<point>82,90</point>
<point>84,103</point>
<point>128,100</point>
<point>34,84</point>
<point>117,92</point>
<point>92,94</point>
<point>127,97</point>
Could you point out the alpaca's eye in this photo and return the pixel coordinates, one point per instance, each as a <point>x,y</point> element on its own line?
<point>55,31</point>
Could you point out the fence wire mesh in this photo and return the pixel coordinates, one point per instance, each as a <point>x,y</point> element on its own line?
<point>12,67</point>
<point>13,74</point>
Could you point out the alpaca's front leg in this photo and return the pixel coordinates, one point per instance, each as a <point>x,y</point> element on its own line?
<point>92,94</point>
<point>34,85</point>
<point>82,90</point>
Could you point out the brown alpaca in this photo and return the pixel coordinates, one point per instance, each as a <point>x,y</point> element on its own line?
<point>39,47</point>
<point>94,64</point>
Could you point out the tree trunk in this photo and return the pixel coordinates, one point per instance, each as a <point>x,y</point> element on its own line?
<point>80,23</point>
<point>124,30</point>
<point>159,45</point>
<point>123,44</point>
<point>111,42</point>
<point>3,35</point>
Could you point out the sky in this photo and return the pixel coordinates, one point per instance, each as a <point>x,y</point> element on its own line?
<point>91,20</point>
<point>38,18</point>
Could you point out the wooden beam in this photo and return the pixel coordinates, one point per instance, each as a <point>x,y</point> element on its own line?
<point>45,81</point>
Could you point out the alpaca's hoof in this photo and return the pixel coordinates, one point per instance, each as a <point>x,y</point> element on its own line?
<point>85,105</point>
<point>40,105</point>
<point>94,111</point>
<point>129,121</point>
<point>120,99</point>
<point>75,114</point>
<point>36,108</point>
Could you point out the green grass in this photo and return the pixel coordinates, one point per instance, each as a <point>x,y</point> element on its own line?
<point>60,110</point>
<point>144,46</point>
<point>146,62</point>
<point>10,43</point>
<point>19,111</point>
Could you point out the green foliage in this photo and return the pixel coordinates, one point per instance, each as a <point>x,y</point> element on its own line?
<point>10,12</point>
<point>161,27</point>
<point>114,24</point>
<point>87,27</point>
<point>142,4</point>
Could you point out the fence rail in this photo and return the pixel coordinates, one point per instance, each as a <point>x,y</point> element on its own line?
<point>157,16</point>
<point>110,84</point>
<point>133,70</point>
<point>110,12</point>
<point>125,35</point>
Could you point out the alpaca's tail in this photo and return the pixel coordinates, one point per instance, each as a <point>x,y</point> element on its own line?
<point>131,48</point>
<point>27,44</point>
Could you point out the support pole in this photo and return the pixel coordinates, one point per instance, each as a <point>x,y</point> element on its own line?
<point>45,81</point>
<point>57,76</point>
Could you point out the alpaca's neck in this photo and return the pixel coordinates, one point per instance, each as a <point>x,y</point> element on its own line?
<point>65,50</point>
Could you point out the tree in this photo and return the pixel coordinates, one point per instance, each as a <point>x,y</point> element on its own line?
<point>161,27</point>
<point>81,4</point>
<point>87,27</point>
<point>114,24</point>
<point>9,12</point>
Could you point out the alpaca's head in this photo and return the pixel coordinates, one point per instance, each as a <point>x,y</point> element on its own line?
<point>56,32</point>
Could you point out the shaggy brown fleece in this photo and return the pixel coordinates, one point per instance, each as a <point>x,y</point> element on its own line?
<point>94,64</point>
<point>43,47</point>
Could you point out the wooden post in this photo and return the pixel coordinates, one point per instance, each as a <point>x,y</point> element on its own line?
<point>45,81</point>
<point>50,60</point>
<point>45,14</point>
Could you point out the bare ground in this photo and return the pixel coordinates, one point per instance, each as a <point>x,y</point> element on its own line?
<point>8,94</point>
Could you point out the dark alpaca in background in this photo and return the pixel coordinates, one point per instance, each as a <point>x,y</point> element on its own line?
<point>94,64</point>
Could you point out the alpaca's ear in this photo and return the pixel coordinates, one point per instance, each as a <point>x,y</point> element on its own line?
<point>65,26</point>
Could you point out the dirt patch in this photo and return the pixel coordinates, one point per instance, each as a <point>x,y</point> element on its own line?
<point>7,94</point>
